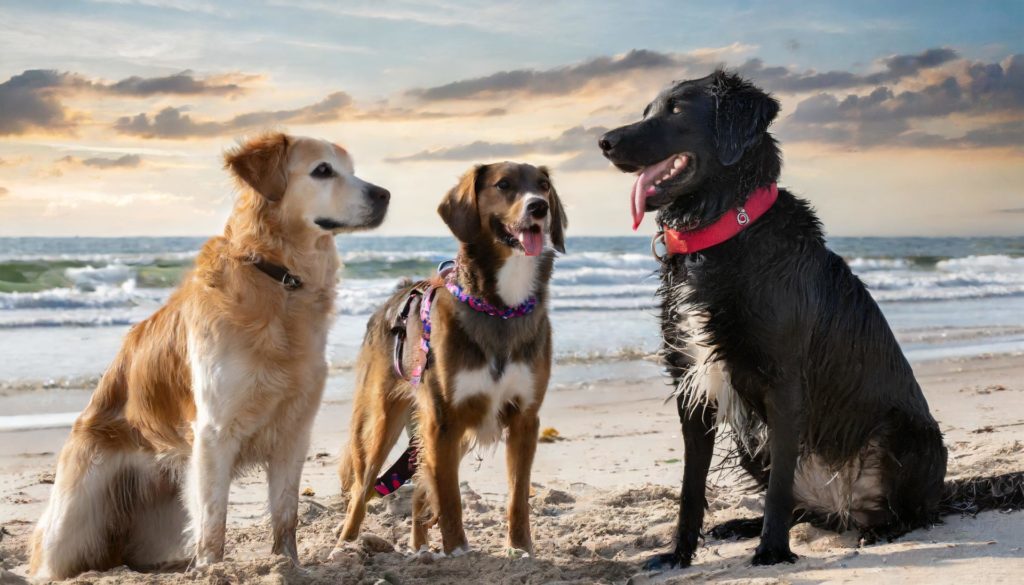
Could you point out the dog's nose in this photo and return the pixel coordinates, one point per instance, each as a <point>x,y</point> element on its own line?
<point>608,141</point>
<point>378,194</point>
<point>538,208</point>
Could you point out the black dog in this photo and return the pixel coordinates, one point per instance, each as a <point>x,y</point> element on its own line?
<point>770,332</point>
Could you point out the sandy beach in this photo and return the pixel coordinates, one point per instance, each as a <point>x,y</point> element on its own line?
<point>605,497</point>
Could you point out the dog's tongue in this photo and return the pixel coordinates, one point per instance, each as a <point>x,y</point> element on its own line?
<point>532,241</point>
<point>644,187</point>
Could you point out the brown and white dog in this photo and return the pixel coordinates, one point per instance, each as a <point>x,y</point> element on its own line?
<point>226,376</point>
<point>484,373</point>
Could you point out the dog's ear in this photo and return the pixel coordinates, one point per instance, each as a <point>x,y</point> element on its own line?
<point>459,208</point>
<point>742,116</point>
<point>559,221</point>
<point>260,164</point>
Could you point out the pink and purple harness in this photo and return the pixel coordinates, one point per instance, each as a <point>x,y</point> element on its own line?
<point>402,470</point>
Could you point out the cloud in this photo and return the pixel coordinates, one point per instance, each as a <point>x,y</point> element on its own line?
<point>127,161</point>
<point>557,81</point>
<point>572,78</point>
<point>894,69</point>
<point>579,142</point>
<point>175,123</point>
<point>172,122</point>
<point>884,116</point>
<point>4,192</point>
<point>32,100</point>
<point>29,101</point>
<point>183,83</point>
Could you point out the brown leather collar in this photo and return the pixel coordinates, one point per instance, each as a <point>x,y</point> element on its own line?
<point>279,273</point>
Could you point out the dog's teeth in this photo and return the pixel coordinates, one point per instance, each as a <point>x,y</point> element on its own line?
<point>666,177</point>
<point>678,163</point>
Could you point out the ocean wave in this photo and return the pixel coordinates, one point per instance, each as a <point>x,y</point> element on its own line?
<point>125,295</point>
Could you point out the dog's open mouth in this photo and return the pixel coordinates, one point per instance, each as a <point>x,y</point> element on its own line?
<point>650,181</point>
<point>528,238</point>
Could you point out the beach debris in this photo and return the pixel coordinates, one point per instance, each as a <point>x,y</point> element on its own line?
<point>557,497</point>
<point>308,492</point>
<point>47,478</point>
<point>375,544</point>
<point>550,435</point>
<point>310,510</point>
<point>516,553</point>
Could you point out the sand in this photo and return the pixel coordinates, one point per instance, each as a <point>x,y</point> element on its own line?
<point>605,498</point>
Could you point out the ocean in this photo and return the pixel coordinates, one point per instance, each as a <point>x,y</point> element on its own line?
<point>65,303</point>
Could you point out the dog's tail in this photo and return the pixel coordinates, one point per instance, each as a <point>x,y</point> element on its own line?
<point>977,494</point>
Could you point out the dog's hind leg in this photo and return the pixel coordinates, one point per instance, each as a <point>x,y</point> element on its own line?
<point>157,538</point>
<point>79,528</point>
<point>699,442</point>
<point>422,517</point>
<point>377,440</point>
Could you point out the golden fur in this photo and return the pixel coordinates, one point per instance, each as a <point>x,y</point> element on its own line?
<point>228,374</point>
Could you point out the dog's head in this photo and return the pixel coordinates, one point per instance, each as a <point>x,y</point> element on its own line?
<point>511,204</point>
<point>311,182</point>
<point>691,132</point>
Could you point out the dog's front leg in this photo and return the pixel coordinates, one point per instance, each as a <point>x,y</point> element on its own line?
<point>519,451</point>
<point>214,453</point>
<point>698,441</point>
<point>783,409</point>
<point>442,453</point>
<point>284,472</point>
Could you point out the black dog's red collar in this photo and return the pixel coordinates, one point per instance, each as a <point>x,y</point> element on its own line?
<point>731,223</point>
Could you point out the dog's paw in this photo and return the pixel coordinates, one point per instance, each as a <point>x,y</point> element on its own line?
<point>424,555</point>
<point>346,551</point>
<point>768,555</point>
<point>517,553</point>
<point>460,551</point>
<point>667,562</point>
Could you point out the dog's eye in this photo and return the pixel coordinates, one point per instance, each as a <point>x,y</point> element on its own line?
<point>674,106</point>
<point>503,184</point>
<point>322,171</point>
<point>544,186</point>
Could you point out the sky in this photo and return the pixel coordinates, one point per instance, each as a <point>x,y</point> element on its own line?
<point>898,119</point>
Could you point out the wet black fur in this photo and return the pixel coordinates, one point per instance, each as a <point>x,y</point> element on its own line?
<point>808,350</point>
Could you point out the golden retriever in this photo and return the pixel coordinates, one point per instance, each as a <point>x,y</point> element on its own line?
<point>226,376</point>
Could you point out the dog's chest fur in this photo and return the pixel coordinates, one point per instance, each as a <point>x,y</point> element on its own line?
<point>513,383</point>
<point>261,384</point>
<point>708,380</point>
